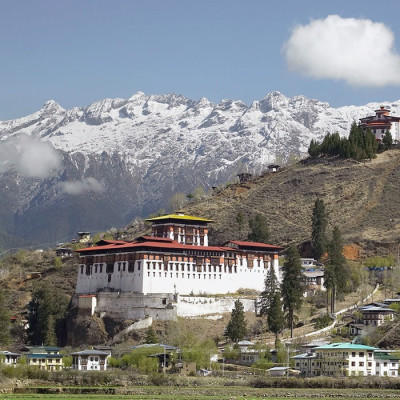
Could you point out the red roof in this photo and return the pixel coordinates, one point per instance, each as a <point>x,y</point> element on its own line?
<point>158,244</point>
<point>111,241</point>
<point>254,244</point>
<point>379,123</point>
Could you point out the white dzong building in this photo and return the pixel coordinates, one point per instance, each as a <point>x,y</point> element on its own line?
<point>175,259</point>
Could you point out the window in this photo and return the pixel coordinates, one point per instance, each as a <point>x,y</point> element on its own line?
<point>353,354</point>
<point>353,363</point>
<point>361,354</point>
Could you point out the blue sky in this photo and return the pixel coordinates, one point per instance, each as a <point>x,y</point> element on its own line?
<point>78,52</point>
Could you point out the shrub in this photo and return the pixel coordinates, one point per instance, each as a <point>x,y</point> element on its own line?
<point>322,321</point>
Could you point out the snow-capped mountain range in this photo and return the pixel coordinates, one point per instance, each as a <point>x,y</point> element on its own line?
<point>145,148</point>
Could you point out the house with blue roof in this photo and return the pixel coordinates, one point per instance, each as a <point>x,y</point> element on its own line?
<point>44,357</point>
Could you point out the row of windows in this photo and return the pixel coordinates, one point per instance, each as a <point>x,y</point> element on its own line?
<point>123,266</point>
<point>188,276</point>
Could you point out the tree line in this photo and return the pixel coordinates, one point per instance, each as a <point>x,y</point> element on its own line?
<point>360,145</point>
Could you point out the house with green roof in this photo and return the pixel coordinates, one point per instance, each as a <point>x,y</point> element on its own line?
<point>347,359</point>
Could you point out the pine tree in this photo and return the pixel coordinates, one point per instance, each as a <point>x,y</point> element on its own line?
<point>4,320</point>
<point>258,229</point>
<point>151,336</point>
<point>318,229</point>
<point>336,272</point>
<point>314,149</point>
<point>268,294</point>
<point>276,317</point>
<point>292,288</point>
<point>237,326</point>
<point>47,312</point>
<point>50,338</point>
<point>387,140</point>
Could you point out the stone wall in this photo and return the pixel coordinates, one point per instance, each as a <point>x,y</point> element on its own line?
<point>192,306</point>
<point>136,306</point>
<point>164,306</point>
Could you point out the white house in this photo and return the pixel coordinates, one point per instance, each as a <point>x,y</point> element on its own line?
<point>90,360</point>
<point>9,358</point>
<point>386,364</point>
<point>347,359</point>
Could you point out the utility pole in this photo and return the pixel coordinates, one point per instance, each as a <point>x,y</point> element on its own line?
<point>287,374</point>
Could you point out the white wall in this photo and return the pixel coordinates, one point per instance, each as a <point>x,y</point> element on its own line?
<point>191,306</point>
<point>150,280</point>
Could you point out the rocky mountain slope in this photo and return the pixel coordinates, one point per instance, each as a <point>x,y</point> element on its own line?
<point>125,157</point>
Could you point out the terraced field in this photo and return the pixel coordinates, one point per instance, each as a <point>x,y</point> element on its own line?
<point>196,393</point>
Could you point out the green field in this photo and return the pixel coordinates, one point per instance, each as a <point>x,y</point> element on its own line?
<point>197,393</point>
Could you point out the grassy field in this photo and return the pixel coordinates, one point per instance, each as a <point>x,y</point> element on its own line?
<point>202,393</point>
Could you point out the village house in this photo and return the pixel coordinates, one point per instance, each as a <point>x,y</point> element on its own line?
<point>9,358</point>
<point>176,258</point>
<point>347,359</point>
<point>308,263</point>
<point>382,122</point>
<point>84,237</point>
<point>64,252</point>
<point>90,360</point>
<point>279,371</point>
<point>376,315</point>
<point>274,168</point>
<point>356,329</point>
<point>248,354</point>
<point>313,282</point>
<point>45,357</point>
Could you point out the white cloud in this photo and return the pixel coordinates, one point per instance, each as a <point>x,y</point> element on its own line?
<point>358,51</point>
<point>31,157</point>
<point>85,185</point>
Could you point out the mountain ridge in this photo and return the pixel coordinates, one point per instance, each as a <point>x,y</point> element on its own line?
<point>140,151</point>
